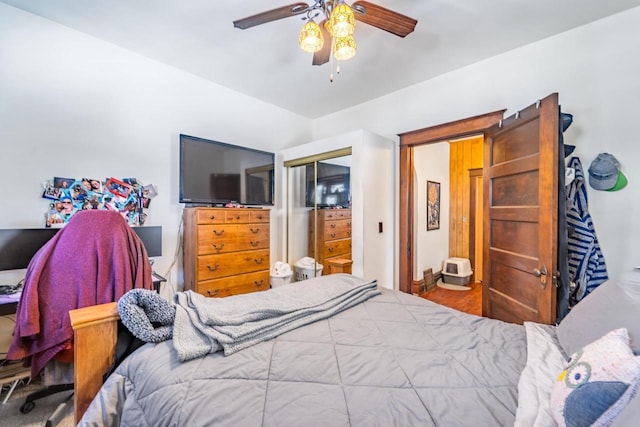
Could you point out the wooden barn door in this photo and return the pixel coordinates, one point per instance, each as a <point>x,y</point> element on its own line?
<point>520,215</point>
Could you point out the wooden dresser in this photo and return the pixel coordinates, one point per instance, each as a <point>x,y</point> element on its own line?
<point>226,250</point>
<point>333,236</point>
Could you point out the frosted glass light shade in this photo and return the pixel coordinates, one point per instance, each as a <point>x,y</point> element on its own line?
<point>311,39</point>
<point>344,48</point>
<point>342,21</point>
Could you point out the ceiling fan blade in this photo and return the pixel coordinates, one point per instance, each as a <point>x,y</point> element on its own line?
<point>322,56</point>
<point>385,19</point>
<point>271,15</point>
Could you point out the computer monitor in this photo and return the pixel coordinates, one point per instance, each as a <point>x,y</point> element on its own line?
<point>19,245</point>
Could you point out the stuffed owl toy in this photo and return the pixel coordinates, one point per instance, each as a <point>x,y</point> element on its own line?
<point>597,383</point>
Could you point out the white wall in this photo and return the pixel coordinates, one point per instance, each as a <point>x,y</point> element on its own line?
<point>594,69</point>
<point>431,247</point>
<point>376,163</point>
<point>74,106</point>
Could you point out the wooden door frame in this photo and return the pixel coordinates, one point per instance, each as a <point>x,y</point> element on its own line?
<point>473,173</point>
<point>408,141</point>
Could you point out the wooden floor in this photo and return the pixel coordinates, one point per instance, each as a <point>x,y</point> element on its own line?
<point>467,301</point>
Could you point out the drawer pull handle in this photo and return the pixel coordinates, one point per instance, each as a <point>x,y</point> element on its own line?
<point>218,232</point>
<point>349,223</point>
<point>260,216</point>
<point>258,261</point>
<point>213,268</point>
<point>214,293</point>
<point>218,247</point>
<point>254,230</point>
<point>333,225</point>
<point>330,216</point>
<point>333,234</point>
<point>330,248</point>
<point>254,243</point>
<point>238,217</point>
<point>212,217</point>
<point>258,283</point>
<point>349,233</point>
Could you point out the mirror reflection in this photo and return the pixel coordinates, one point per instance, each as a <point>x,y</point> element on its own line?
<point>319,216</point>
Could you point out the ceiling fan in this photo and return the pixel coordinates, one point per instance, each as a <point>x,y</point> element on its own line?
<point>336,27</point>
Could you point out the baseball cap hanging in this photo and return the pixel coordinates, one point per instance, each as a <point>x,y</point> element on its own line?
<point>621,182</point>
<point>605,174</point>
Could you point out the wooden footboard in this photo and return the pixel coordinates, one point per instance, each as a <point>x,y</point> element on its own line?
<point>95,334</point>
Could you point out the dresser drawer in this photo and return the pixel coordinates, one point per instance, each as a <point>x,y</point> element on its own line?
<point>231,216</point>
<point>210,216</point>
<point>222,265</point>
<point>238,216</point>
<point>336,248</point>
<point>338,229</point>
<point>224,238</point>
<point>242,284</point>
<point>260,215</point>
<point>332,214</point>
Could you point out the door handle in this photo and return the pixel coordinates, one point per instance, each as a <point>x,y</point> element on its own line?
<point>542,274</point>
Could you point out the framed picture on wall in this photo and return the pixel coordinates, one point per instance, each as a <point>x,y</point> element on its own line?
<point>433,205</point>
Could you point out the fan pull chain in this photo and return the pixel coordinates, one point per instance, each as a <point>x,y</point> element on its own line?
<point>337,70</point>
<point>331,64</point>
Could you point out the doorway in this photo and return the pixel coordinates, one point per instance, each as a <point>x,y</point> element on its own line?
<point>457,164</point>
<point>408,142</point>
<point>520,208</point>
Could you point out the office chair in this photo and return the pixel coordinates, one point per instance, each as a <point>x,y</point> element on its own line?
<point>96,258</point>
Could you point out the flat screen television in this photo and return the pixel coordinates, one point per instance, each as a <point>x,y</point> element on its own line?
<point>214,173</point>
<point>333,186</point>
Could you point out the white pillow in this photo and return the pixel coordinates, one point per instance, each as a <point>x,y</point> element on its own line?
<point>544,361</point>
<point>597,382</point>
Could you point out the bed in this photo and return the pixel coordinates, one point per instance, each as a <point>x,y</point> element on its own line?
<point>394,359</point>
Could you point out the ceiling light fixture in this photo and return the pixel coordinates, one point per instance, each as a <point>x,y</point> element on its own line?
<point>342,21</point>
<point>311,39</point>
<point>339,23</point>
<point>335,27</point>
<point>344,48</point>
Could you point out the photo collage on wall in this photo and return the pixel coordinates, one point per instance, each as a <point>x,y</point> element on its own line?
<point>69,195</point>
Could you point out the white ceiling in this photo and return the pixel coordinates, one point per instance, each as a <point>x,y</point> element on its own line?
<point>265,61</point>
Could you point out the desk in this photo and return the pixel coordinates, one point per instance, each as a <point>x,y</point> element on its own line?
<point>157,281</point>
<point>8,308</point>
<point>9,303</point>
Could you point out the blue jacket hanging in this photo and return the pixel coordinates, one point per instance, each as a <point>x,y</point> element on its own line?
<point>587,268</point>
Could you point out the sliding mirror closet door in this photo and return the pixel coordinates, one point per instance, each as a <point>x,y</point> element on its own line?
<point>297,215</point>
<point>319,213</point>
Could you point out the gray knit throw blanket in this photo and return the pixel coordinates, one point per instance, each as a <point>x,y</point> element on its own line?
<point>147,315</point>
<point>206,325</point>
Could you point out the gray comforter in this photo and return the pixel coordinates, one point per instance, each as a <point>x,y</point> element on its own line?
<point>393,360</point>
<point>206,325</point>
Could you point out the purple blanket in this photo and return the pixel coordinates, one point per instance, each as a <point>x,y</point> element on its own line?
<point>96,258</point>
